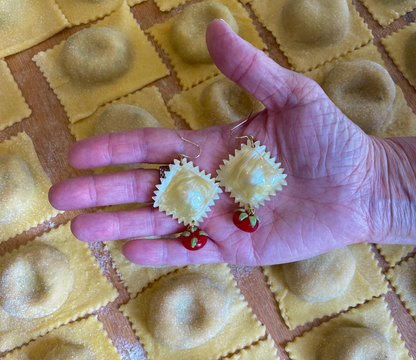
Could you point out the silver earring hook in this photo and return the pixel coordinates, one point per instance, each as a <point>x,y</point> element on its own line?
<point>183,156</point>
<point>249,137</point>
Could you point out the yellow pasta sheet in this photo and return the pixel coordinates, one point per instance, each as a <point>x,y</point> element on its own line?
<point>263,350</point>
<point>91,290</point>
<point>367,282</point>
<point>81,11</point>
<point>82,100</point>
<point>80,338</point>
<point>241,328</point>
<point>26,23</point>
<point>13,107</point>
<point>372,315</point>
<point>401,121</point>
<point>191,74</point>
<point>311,38</point>
<point>394,253</point>
<point>385,12</point>
<point>401,47</point>
<point>403,278</point>
<point>24,188</point>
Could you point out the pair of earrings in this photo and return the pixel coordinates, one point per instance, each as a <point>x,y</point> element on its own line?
<point>187,193</point>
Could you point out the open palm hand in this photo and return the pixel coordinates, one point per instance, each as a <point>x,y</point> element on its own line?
<point>327,158</point>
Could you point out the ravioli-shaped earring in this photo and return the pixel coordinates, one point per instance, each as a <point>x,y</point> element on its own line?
<point>251,176</point>
<point>187,193</point>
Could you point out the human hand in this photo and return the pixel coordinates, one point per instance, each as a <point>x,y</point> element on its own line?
<point>331,166</point>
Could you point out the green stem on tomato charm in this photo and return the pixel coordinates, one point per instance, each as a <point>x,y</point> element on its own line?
<point>246,220</point>
<point>194,239</point>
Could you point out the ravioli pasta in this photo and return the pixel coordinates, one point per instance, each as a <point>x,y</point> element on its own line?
<point>13,107</point>
<point>187,34</point>
<point>313,32</point>
<point>356,343</point>
<point>401,47</point>
<point>195,313</point>
<point>193,64</point>
<point>315,23</point>
<point>364,332</point>
<point>187,311</point>
<point>23,188</point>
<point>364,91</point>
<point>35,282</point>
<point>97,55</point>
<point>94,66</point>
<point>17,188</point>
<point>25,23</point>
<point>326,284</point>
<point>361,87</point>
<point>322,277</point>
<point>79,340</point>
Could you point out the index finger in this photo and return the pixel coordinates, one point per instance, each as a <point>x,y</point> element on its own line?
<point>144,145</point>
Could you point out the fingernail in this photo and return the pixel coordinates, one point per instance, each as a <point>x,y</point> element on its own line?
<point>225,22</point>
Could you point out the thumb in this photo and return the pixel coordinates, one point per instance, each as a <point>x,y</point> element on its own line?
<point>275,86</point>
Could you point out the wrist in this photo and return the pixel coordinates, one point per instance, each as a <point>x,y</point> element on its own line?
<point>392,198</point>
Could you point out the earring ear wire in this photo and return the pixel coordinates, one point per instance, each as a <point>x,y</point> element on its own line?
<point>183,156</point>
<point>249,137</point>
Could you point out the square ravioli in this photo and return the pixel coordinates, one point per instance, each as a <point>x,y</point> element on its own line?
<point>186,193</point>
<point>143,108</point>
<point>46,283</point>
<point>94,66</point>
<point>84,339</point>
<point>401,46</point>
<point>386,11</point>
<point>183,38</point>
<point>135,277</point>
<point>81,11</point>
<point>403,278</point>
<point>263,350</point>
<point>24,188</point>
<point>394,253</point>
<point>361,87</point>
<point>367,329</point>
<point>216,101</point>
<point>312,32</point>
<point>27,23</point>
<point>325,284</point>
<point>13,107</point>
<point>196,312</point>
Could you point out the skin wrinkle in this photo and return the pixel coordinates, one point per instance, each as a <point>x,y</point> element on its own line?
<point>240,77</point>
<point>92,191</point>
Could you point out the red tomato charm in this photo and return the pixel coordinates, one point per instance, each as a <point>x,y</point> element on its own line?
<point>195,239</point>
<point>246,221</point>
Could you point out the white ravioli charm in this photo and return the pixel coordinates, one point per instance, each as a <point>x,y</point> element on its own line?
<point>186,193</point>
<point>251,175</point>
